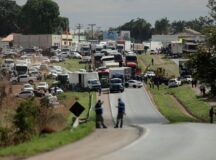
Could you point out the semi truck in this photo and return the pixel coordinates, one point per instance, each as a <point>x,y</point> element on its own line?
<point>123,45</point>
<point>138,48</point>
<point>120,72</point>
<point>85,48</point>
<point>85,80</point>
<point>176,47</point>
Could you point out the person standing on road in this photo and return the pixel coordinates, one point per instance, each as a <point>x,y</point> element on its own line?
<point>211,115</point>
<point>121,113</point>
<point>99,115</point>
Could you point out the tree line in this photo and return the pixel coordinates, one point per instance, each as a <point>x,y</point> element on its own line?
<point>34,17</point>
<point>141,30</point>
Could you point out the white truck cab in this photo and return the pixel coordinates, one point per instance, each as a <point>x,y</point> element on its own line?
<point>94,84</point>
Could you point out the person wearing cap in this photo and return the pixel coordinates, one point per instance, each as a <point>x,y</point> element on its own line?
<point>99,115</point>
<point>121,112</point>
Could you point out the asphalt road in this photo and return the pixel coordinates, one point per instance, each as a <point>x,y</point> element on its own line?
<point>162,141</point>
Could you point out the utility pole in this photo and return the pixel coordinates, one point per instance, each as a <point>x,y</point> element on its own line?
<point>78,27</point>
<point>92,27</point>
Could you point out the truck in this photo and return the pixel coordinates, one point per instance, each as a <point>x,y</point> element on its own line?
<point>176,47</point>
<point>123,73</point>
<point>85,80</point>
<point>111,45</point>
<point>99,48</point>
<point>138,47</point>
<point>155,47</point>
<point>85,48</point>
<point>123,45</point>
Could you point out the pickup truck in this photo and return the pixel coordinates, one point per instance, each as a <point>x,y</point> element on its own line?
<point>23,79</point>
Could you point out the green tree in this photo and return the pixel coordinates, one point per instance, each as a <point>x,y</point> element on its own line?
<point>9,12</point>
<point>63,25</point>
<point>162,26</point>
<point>177,26</point>
<point>40,17</point>
<point>212,6</point>
<point>140,29</point>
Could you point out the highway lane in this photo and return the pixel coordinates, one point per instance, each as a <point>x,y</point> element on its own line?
<point>162,141</point>
<point>139,108</point>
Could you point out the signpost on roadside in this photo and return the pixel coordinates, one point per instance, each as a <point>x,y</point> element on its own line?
<point>77,110</point>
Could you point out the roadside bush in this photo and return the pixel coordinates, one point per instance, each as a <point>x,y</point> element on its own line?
<point>25,120</point>
<point>6,137</point>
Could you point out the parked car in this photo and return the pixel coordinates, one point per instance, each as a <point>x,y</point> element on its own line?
<point>45,60</point>
<point>27,87</point>
<point>174,83</point>
<point>56,90</point>
<point>134,84</point>
<point>188,78</point>
<point>25,94</point>
<point>54,59</point>
<point>35,73</point>
<point>43,86</point>
<point>23,79</point>
<point>65,54</point>
<point>76,55</point>
<point>149,74</point>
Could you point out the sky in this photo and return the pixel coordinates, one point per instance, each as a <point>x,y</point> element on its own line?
<point>113,13</point>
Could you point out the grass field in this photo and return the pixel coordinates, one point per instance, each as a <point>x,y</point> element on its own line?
<point>71,64</point>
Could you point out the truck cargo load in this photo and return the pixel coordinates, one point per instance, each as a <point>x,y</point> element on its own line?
<point>85,80</point>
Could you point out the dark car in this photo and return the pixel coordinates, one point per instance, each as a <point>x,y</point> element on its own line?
<point>38,93</point>
<point>116,87</point>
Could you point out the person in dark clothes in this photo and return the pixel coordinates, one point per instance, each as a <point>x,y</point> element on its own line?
<point>211,115</point>
<point>121,113</point>
<point>99,115</point>
<point>99,91</point>
<point>152,61</point>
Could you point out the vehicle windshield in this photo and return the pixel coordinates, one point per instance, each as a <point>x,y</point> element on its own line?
<point>131,58</point>
<point>94,82</point>
<point>116,81</point>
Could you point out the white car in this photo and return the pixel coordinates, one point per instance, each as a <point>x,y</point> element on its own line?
<point>134,84</point>
<point>27,87</point>
<point>56,90</point>
<point>149,74</point>
<point>25,94</point>
<point>54,59</point>
<point>174,83</point>
<point>43,86</point>
<point>77,55</point>
<point>45,60</point>
<point>65,54</point>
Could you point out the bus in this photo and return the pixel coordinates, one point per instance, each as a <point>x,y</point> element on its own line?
<point>21,68</point>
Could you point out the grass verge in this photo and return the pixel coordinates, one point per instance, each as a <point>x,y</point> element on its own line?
<point>184,94</point>
<point>168,107</point>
